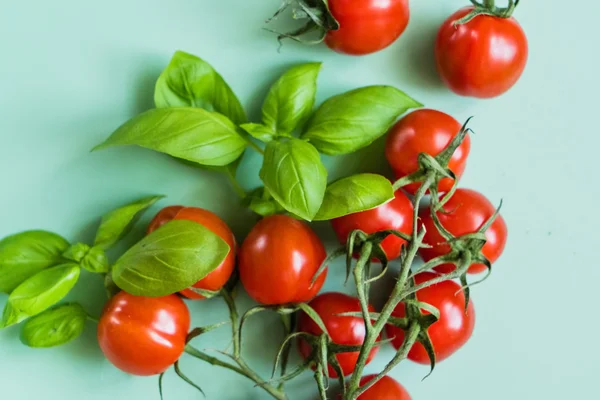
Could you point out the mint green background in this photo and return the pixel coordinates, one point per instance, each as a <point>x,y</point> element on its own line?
<point>72,71</point>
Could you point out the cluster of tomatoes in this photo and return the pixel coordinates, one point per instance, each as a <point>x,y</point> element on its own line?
<point>479,57</point>
<point>279,258</point>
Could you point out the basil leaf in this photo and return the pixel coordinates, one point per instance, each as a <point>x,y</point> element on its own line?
<point>355,194</point>
<point>117,223</point>
<point>259,131</point>
<point>294,175</point>
<point>192,134</point>
<point>27,253</point>
<point>95,261</point>
<point>170,259</point>
<point>189,81</point>
<point>39,292</point>
<point>54,327</point>
<point>353,120</point>
<point>291,99</point>
<point>261,202</point>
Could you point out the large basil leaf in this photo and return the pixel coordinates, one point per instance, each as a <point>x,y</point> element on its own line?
<point>118,222</point>
<point>191,134</point>
<point>353,120</point>
<point>294,175</point>
<point>41,291</point>
<point>170,259</point>
<point>291,99</point>
<point>25,254</point>
<point>189,81</point>
<point>54,327</point>
<point>355,194</point>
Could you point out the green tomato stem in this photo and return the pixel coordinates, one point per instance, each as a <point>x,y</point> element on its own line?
<point>399,292</point>
<point>287,321</point>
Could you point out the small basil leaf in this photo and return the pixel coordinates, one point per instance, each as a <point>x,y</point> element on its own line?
<point>76,252</point>
<point>291,99</point>
<point>189,81</point>
<point>262,203</point>
<point>294,175</point>
<point>259,131</point>
<point>191,134</point>
<point>355,194</point>
<point>39,292</point>
<point>24,254</point>
<point>170,259</point>
<point>54,327</point>
<point>117,223</point>
<point>353,120</point>
<point>95,261</point>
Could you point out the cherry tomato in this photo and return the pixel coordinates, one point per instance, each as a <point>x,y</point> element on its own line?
<point>278,260</point>
<point>217,278</point>
<point>343,330</point>
<point>165,215</point>
<point>450,332</point>
<point>396,214</point>
<point>482,58</point>
<point>385,389</point>
<point>468,211</point>
<point>143,335</point>
<point>366,26</point>
<point>425,131</point>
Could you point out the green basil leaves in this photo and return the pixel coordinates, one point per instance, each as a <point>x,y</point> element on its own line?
<point>291,99</point>
<point>27,253</point>
<point>170,259</point>
<point>189,81</point>
<point>191,134</point>
<point>117,223</point>
<point>355,194</point>
<point>39,292</point>
<point>294,175</point>
<point>353,120</point>
<point>54,327</point>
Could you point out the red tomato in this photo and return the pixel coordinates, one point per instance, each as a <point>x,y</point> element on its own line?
<point>482,58</point>
<point>396,214</point>
<point>366,26</point>
<point>385,389</point>
<point>450,332</point>
<point>343,330</point>
<point>425,131</point>
<point>468,211</point>
<point>165,215</point>
<point>143,335</point>
<point>217,278</point>
<point>278,260</point>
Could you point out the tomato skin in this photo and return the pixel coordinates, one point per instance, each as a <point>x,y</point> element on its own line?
<point>165,215</point>
<point>366,26</point>
<point>278,260</point>
<point>143,335</point>
<point>483,58</point>
<point>385,389</point>
<point>343,330</point>
<point>396,214</point>
<point>450,332</point>
<point>468,211</point>
<point>217,278</point>
<point>425,131</point>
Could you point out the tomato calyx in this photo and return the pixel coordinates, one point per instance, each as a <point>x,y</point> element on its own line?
<point>368,247</point>
<point>465,251</point>
<point>437,168</point>
<point>315,21</point>
<point>488,7</point>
